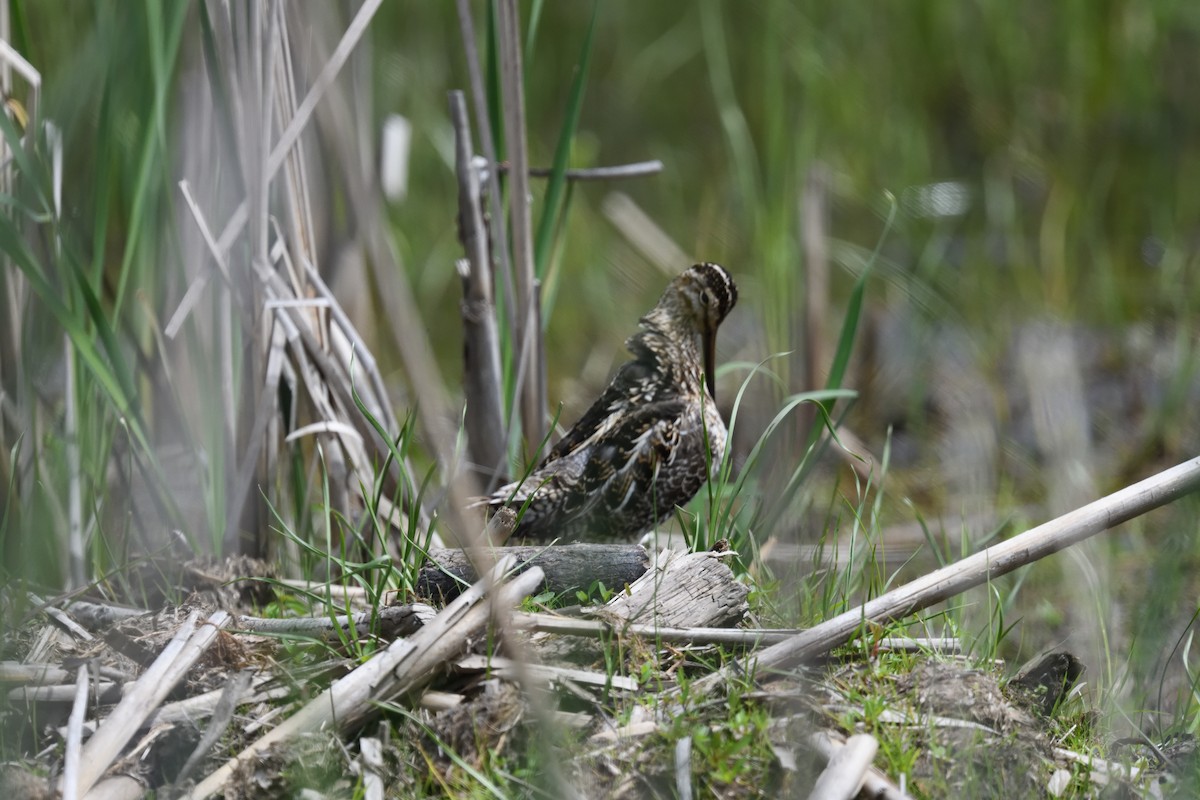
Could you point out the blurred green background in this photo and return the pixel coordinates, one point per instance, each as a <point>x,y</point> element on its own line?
<point>1066,128</point>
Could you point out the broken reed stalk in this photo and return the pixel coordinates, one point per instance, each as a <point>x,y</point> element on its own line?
<point>1001,559</point>
<point>846,770</point>
<point>487,141</point>
<point>246,413</point>
<point>311,337</point>
<point>813,319</point>
<point>873,783</point>
<point>147,693</point>
<point>531,399</point>
<point>481,347</point>
<point>640,169</point>
<point>318,368</point>
<point>74,741</point>
<point>406,666</point>
<point>814,237</point>
<point>701,635</point>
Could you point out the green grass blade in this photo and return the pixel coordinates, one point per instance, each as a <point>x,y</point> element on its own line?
<point>841,358</point>
<point>494,95</point>
<point>733,120</point>
<point>26,164</point>
<point>535,18</point>
<point>12,245</point>
<point>553,276</point>
<point>544,238</point>
<point>150,174</point>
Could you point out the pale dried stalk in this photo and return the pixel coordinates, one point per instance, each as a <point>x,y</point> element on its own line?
<point>846,770</point>
<point>977,569</point>
<point>640,169</point>
<point>874,783</point>
<point>403,668</point>
<point>655,245</point>
<point>814,237</point>
<point>733,637</point>
<point>481,347</point>
<point>530,371</point>
<point>287,140</point>
<point>139,702</point>
<point>498,228</point>
<point>683,768</point>
<point>74,741</point>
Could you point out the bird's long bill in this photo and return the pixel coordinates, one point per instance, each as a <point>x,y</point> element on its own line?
<point>710,361</point>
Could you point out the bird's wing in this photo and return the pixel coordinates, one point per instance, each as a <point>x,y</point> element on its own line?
<point>623,458</point>
<point>619,395</point>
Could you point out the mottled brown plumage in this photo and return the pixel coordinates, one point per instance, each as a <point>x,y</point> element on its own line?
<point>650,441</point>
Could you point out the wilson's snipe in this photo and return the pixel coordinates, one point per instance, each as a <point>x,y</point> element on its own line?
<point>651,439</point>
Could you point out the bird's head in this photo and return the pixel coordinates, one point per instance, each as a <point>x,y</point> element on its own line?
<point>699,299</point>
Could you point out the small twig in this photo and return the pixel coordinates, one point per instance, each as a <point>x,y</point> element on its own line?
<point>638,169</point>
<point>231,695</point>
<point>406,620</point>
<point>1102,769</point>
<point>631,731</point>
<point>737,637</point>
<point>545,673</point>
<point>597,629</point>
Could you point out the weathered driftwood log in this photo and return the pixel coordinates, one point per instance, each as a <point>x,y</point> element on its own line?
<point>682,590</point>
<point>567,567</point>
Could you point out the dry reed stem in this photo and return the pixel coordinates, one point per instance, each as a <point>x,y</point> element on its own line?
<point>402,669</point>
<point>146,694</point>
<point>481,347</point>
<point>991,563</point>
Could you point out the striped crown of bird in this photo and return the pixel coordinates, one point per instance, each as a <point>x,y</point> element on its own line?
<point>650,441</point>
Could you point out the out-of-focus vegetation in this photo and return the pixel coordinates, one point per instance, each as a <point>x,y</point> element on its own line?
<point>1042,160</point>
<point>1067,130</point>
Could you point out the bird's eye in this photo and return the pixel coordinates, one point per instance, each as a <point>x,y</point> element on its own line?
<point>704,298</point>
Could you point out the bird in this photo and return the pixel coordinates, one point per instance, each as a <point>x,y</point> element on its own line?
<point>649,441</point>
